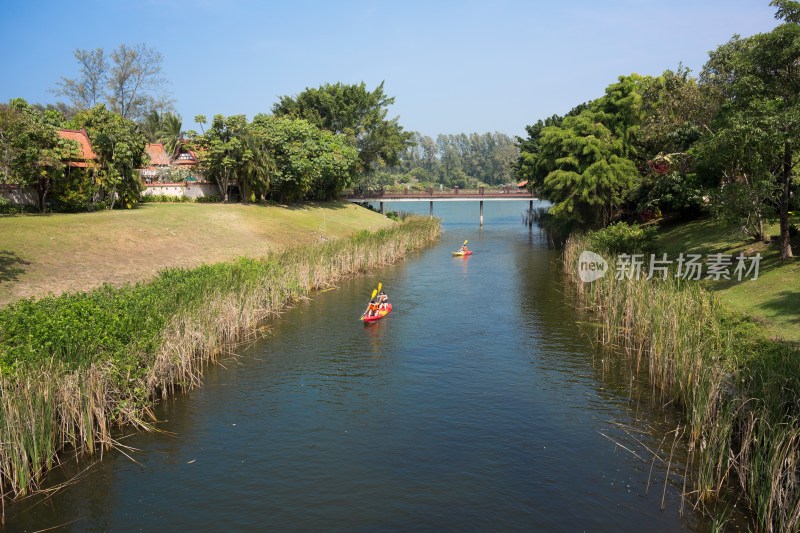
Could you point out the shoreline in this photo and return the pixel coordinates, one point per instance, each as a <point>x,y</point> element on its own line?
<point>102,358</point>
<point>738,390</point>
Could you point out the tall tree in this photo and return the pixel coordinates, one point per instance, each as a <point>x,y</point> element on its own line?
<point>170,133</point>
<point>129,81</point>
<point>355,112</point>
<point>758,79</point>
<point>309,162</point>
<point>119,146</point>
<point>135,81</point>
<point>588,174</point>
<point>225,151</point>
<point>89,89</point>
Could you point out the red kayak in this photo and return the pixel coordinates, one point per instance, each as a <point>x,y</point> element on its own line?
<point>468,252</point>
<point>381,313</point>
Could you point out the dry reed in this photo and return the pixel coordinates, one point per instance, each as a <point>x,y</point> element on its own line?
<point>738,390</point>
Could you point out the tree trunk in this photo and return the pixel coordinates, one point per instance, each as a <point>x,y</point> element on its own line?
<point>41,193</point>
<point>783,205</point>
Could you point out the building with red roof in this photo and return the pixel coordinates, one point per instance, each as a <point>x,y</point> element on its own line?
<point>87,158</point>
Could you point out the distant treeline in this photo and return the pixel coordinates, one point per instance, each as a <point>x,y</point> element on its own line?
<point>463,160</point>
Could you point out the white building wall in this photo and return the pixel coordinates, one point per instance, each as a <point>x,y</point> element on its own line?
<point>18,195</point>
<point>188,189</point>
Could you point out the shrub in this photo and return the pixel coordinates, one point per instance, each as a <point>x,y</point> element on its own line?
<point>623,238</point>
<point>211,199</point>
<point>7,207</point>
<point>164,198</point>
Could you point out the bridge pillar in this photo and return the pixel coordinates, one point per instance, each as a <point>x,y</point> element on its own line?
<point>481,213</point>
<point>530,205</point>
<point>381,208</point>
<point>431,209</point>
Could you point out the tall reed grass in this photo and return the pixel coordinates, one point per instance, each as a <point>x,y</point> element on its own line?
<point>74,367</point>
<point>739,391</point>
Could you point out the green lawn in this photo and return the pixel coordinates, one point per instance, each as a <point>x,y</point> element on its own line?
<point>773,299</point>
<point>41,254</point>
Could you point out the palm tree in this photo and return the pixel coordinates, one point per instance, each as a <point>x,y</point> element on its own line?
<point>150,126</point>
<point>170,134</point>
<point>257,168</point>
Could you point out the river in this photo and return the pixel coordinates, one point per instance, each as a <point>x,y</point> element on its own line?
<point>479,404</point>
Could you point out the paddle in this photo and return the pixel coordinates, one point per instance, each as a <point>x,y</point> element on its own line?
<point>374,293</point>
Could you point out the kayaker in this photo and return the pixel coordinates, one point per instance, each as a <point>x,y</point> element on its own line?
<point>374,305</point>
<point>464,248</point>
<point>383,299</point>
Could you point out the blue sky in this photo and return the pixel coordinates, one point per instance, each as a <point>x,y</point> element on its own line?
<point>453,66</point>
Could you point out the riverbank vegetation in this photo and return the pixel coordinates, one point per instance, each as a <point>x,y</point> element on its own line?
<point>739,391</point>
<point>723,144</point>
<point>707,166</point>
<point>74,367</point>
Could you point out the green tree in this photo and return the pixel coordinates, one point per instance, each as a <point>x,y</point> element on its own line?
<point>758,80</point>
<point>583,162</point>
<point>355,112</point>
<point>225,151</point>
<point>150,125</point>
<point>678,114</point>
<point>309,162</point>
<point>32,154</point>
<point>170,133</point>
<point>119,146</point>
<point>588,175</point>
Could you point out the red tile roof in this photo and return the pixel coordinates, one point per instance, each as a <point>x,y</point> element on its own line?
<point>157,153</point>
<point>87,154</point>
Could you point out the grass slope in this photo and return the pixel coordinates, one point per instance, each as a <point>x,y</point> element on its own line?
<point>773,299</point>
<point>59,253</point>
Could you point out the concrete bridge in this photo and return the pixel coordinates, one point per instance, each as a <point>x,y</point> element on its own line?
<point>431,194</point>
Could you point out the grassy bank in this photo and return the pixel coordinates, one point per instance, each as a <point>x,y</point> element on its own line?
<point>75,366</point>
<point>773,299</point>
<point>739,390</point>
<point>44,254</point>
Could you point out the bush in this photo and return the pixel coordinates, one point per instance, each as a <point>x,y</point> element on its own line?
<point>164,198</point>
<point>7,207</point>
<point>211,199</point>
<point>624,238</point>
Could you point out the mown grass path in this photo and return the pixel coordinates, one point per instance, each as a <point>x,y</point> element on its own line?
<point>773,299</point>
<point>52,254</point>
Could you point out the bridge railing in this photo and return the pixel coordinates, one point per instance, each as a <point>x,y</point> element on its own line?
<point>433,192</point>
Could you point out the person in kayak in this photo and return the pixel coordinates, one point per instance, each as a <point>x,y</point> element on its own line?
<point>383,300</point>
<point>374,306</point>
<point>464,248</point>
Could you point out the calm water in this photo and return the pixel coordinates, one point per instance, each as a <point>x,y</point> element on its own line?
<point>478,404</point>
